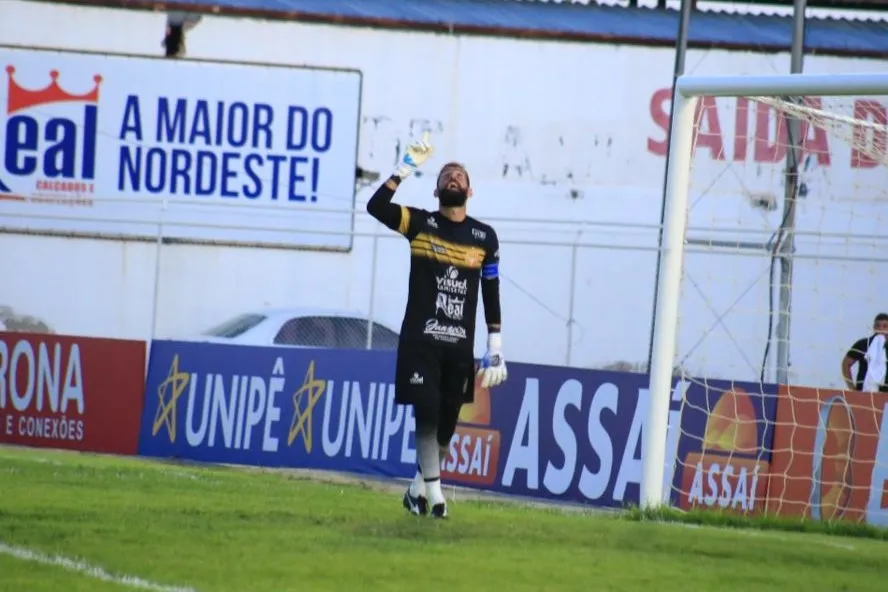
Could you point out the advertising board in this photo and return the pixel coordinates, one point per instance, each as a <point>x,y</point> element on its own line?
<point>121,143</point>
<point>725,447</point>
<point>548,432</point>
<point>77,393</point>
<point>830,456</point>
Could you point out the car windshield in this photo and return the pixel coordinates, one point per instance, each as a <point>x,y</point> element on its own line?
<point>236,326</point>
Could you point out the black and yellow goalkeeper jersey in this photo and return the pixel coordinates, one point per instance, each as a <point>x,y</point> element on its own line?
<point>448,261</point>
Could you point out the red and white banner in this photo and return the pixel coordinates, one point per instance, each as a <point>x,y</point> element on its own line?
<point>78,393</point>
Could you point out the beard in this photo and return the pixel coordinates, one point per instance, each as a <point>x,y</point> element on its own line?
<point>452,198</point>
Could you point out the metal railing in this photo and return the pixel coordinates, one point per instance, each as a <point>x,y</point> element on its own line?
<point>573,293</point>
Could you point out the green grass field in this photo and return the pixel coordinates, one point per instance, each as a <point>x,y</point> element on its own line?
<point>221,529</point>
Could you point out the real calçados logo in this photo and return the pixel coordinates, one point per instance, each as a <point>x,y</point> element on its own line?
<point>49,141</point>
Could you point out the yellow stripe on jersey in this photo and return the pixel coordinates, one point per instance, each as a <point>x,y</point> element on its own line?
<point>433,247</point>
<point>442,257</point>
<point>404,226</point>
<point>467,251</point>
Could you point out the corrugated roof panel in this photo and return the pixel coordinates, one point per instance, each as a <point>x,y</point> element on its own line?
<point>570,21</point>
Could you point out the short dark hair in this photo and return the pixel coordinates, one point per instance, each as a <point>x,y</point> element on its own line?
<point>454,165</point>
<point>882,316</point>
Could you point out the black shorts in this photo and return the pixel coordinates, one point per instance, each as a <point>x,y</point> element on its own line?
<point>434,375</point>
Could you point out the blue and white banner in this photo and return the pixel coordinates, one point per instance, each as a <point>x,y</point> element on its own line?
<point>548,432</point>
<point>269,406</point>
<point>105,139</point>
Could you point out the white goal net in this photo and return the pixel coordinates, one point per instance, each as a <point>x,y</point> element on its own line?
<point>775,266</point>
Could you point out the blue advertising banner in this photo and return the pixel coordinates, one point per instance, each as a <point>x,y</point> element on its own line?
<point>548,432</point>
<point>570,434</point>
<point>724,451</point>
<point>268,406</point>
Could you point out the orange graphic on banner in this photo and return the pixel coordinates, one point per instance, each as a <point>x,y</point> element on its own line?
<point>830,461</point>
<point>726,474</point>
<point>473,456</point>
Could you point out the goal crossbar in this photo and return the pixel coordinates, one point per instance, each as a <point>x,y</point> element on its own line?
<point>870,83</point>
<point>687,92</point>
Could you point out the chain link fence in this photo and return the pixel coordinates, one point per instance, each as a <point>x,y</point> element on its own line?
<point>572,293</point>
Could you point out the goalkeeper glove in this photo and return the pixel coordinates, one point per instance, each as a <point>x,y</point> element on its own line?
<point>493,367</point>
<point>416,154</point>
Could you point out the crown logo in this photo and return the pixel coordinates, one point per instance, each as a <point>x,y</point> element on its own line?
<point>21,98</point>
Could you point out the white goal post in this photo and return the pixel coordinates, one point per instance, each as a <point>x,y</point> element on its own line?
<point>688,93</point>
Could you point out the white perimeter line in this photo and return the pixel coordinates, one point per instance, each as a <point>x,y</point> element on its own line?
<point>87,569</point>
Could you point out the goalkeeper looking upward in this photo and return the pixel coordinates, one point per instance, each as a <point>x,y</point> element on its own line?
<point>451,253</point>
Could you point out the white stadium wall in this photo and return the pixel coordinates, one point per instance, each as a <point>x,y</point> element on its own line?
<point>565,131</point>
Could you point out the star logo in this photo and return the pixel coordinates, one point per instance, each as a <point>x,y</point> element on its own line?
<point>168,394</point>
<point>304,401</point>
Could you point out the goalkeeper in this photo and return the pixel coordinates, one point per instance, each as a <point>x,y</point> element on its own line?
<point>451,253</point>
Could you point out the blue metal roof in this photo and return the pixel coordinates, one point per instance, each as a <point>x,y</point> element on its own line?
<point>559,21</point>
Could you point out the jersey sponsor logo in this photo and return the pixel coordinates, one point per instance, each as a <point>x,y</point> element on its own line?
<point>441,332</point>
<point>479,234</point>
<point>450,282</point>
<point>452,306</point>
<point>432,222</point>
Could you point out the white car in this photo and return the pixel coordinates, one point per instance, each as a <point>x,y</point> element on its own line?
<point>303,327</point>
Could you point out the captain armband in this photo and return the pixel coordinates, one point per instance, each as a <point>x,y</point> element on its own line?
<point>490,271</point>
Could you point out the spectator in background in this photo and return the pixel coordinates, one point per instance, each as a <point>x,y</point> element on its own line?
<point>174,41</point>
<point>178,23</point>
<point>871,356</point>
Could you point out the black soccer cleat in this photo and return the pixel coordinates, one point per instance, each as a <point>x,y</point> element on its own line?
<point>439,511</point>
<point>417,505</point>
